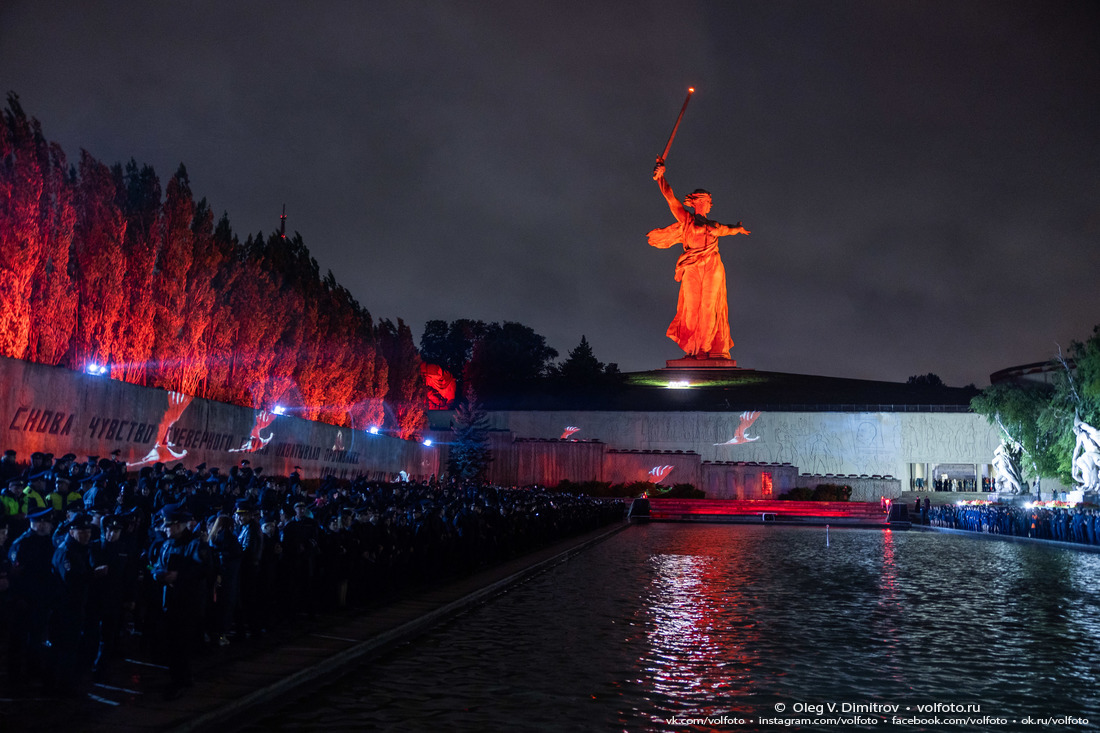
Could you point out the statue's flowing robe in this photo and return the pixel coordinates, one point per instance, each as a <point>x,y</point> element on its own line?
<point>702,325</point>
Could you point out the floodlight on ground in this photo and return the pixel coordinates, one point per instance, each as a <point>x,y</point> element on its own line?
<point>428,442</point>
<point>373,430</point>
<point>279,410</point>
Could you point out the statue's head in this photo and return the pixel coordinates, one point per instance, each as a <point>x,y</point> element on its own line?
<point>699,200</point>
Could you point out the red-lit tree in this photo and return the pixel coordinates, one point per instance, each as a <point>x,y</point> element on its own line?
<point>175,250</point>
<point>206,261</point>
<point>260,321</point>
<point>101,273</point>
<point>22,240</point>
<point>223,334</point>
<point>53,297</point>
<point>406,395</point>
<point>138,195</point>
<point>96,266</point>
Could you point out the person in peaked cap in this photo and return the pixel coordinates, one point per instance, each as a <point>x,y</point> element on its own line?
<point>301,548</point>
<point>98,494</point>
<point>11,498</point>
<point>176,512</point>
<point>5,571</point>
<point>181,566</point>
<point>9,467</point>
<point>251,538</point>
<point>61,466</point>
<point>47,463</point>
<point>166,493</point>
<point>72,566</point>
<point>36,465</point>
<point>116,568</point>
<point>64,493</point>
<point>33,588</point>
<point>34,495</point>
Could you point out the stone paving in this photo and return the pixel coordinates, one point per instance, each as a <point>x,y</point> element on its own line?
<point>247,679</point>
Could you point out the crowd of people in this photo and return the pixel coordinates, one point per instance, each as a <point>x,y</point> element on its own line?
<point>1064,524</point>
<point>953,484</point>
<point>181,557</point>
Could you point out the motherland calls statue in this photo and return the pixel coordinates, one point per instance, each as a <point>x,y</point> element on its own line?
<point>702,325</point>
<point>1086,455</point>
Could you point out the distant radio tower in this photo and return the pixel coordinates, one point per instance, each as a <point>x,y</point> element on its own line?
<point>282,223</point>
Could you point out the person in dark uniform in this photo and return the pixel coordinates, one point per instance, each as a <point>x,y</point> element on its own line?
<point>34,495</point>
<point>5,573</point>
<point>272,588</point>
<point>33,589</point>
<point>116,571</point>
<point>68,631</point>
<point>9,467</point>
<point>301,546</point>
<point>227,556</point>
<point>11,501</point>
<point>181,568</point>
<point>251,538</point>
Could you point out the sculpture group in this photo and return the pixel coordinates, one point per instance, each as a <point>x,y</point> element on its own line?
<point>1085,462</point>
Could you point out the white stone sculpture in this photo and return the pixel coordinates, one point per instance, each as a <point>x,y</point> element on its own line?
<point>1086,455</point>
<point>1007,465</point>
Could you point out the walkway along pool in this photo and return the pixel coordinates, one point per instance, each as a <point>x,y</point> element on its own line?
<point>667,622</point>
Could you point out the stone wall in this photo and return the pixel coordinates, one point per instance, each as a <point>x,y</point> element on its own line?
<point>746,480</point>
<point>864,488</point>
<point>817,443</point>
<point>55,410</point>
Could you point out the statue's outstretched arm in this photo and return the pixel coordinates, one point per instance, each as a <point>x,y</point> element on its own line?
<point>674,204</point>
<point>722,230</point>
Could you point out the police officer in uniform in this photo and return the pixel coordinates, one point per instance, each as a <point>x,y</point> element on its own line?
<point>251,538</point>
<point>33,589</point>
<point>113,591</point>
<point>69,631</point>
<point>181,568</point>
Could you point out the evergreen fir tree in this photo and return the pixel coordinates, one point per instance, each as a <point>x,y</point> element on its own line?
<point>582,366</point>
<point>470,453</point>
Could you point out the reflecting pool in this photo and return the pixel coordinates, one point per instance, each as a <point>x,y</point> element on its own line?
<point>667,622</point>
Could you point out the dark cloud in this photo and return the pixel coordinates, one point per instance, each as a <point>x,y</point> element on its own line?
<point>919,178</point>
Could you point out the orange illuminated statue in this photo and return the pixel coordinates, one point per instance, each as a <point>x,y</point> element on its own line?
<point>701,326</point>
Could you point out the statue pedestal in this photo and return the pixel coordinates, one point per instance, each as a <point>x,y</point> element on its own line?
<point>711,362</point>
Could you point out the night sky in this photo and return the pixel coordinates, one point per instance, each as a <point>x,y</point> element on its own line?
<point>922,179</point>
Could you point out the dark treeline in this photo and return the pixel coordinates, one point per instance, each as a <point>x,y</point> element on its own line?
<point>501,360</point>
<point>100,264</point>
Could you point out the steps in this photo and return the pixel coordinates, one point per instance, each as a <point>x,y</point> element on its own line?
<point>847,512</point>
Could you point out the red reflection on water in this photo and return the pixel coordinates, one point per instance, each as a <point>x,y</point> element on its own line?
<point>701,623</point>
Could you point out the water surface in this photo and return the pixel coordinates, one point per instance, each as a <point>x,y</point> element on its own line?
<point>697,621</point>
